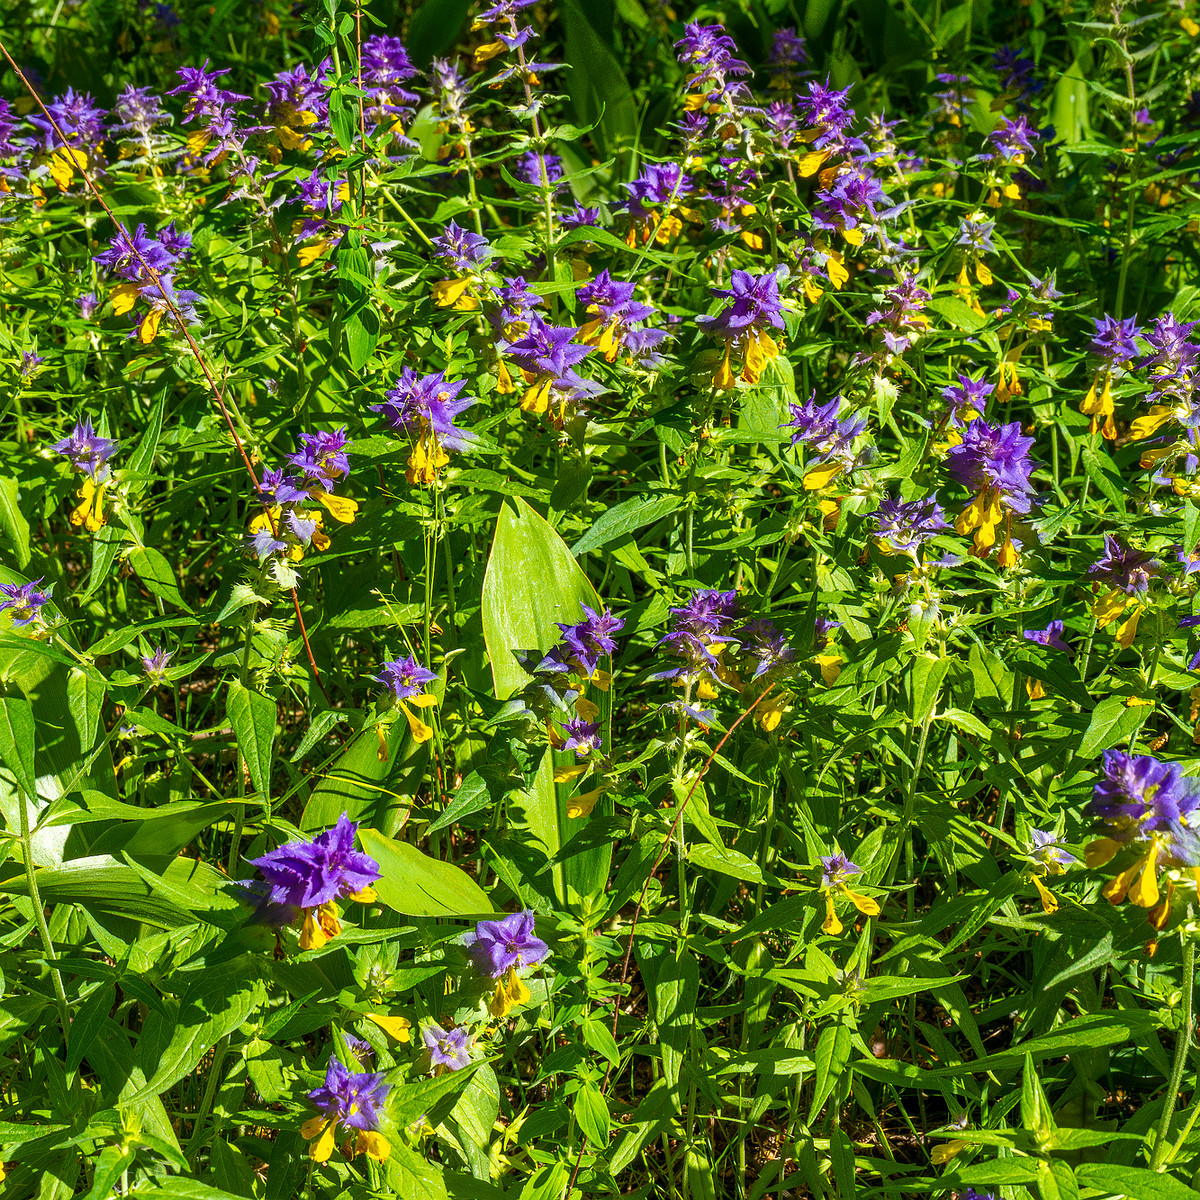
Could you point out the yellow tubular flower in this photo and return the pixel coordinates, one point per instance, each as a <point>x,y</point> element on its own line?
<point>419,730</point>
<point>1100,409</point>
<point>397,1028</point>
<point>1049,900</point>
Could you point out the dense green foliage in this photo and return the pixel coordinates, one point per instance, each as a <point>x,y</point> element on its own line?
<point>766,556</point>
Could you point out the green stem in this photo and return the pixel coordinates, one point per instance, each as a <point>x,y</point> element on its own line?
<point>210,1090</point>
<point>39,913</point>
<point>1158,1158</point>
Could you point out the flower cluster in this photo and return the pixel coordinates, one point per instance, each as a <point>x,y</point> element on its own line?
<point>307,878</point>
<point>288,524</point>
<point>88,453</point>
<point>1152,808</point>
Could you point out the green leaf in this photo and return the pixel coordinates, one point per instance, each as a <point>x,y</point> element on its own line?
<point>155,572</point>
<point>832,1055</point>
<point>13,522</point>
<point>419,886</point>
<point>215,1003</point>
<point>18,732</point>
<point>532,581</point>
<point>724,861</point>
<point>1112,721</point>
<point>624,518</point>
<point>598,89</point>
<point>85,699</point>
<point>591,1111</point>
<point>89,1018</point>
<point>1138,1183</point>
<point>253,716</point>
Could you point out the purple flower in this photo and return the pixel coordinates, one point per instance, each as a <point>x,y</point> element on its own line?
<point>766,648</point>
<point>429,404</point>
<point>550,354</point>
<point>787,53</point>
<point>1141,794</point>
<point>837,868</point>
<point>905,526</point>
<point>495,946</point>
<point>30,363</point>
<point>447,1048</point>
<point>826,110</point>
<point>817,427</point>
<point>541,170</point>
<point>405,677</point>
<point>1113,342</point>
<point>583,737</point>
<point>583,644</point>
<point>1124,568</point>
<point>24,601</point>
<point>995,459</point>
<point>87,450</point>
<point>967,399</point>
<point>155,665</point>
<point>350,1098</point>
<point>322,458</point>
<point>658,184</point>
<point>89,304</point>
<point>614,312</point>
<point>1016,72</point>
<point>1051,636</point>
<point>754,308</point>
<point>1045,847</point>
<point>308,874</point>
<point>139,110</point>
<point>460,250</point>
<point>1014,139</point>
<point>79,118</point>
<point>580,217</point>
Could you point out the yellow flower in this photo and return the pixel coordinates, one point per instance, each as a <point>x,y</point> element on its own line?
<point>397,1028</point>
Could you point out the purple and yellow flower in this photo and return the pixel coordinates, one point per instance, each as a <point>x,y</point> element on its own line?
<point>993,462</point>
<point>616,319</point>
<point>146,266</point>
<point>312,875</point>
<point>406,679</point>
<point>904,526</point>
<point>464,254</point>
<point>835,870</point>
<point>287,526</point>
<point>426,407</point>
<point>1152,806</point>
<point>89,453</point>
<point>352,1099</point>
<point>24,601</point>
<point>754,308</point>
<point>1047,857</point>
<point>1127,572</point>
<point>547,356</point>
<point>81,122</point>
<point>446,1049</point>
<point>499,949</point>
<point>818,427</point>
<point>1114,346</point>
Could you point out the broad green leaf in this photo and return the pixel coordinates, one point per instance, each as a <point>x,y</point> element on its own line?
<point>155,572</point>
<point>253,716</point>
<point>18,742</point>
<point>215,1003</point>
<point>419,886</point>
<point>591,1111</point>
<point>832,1054</point>
<point>532,582</point>
<point>625,518</point>
<point>727,862</point>
<point>1112,721</point>
<point>13,523</point>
